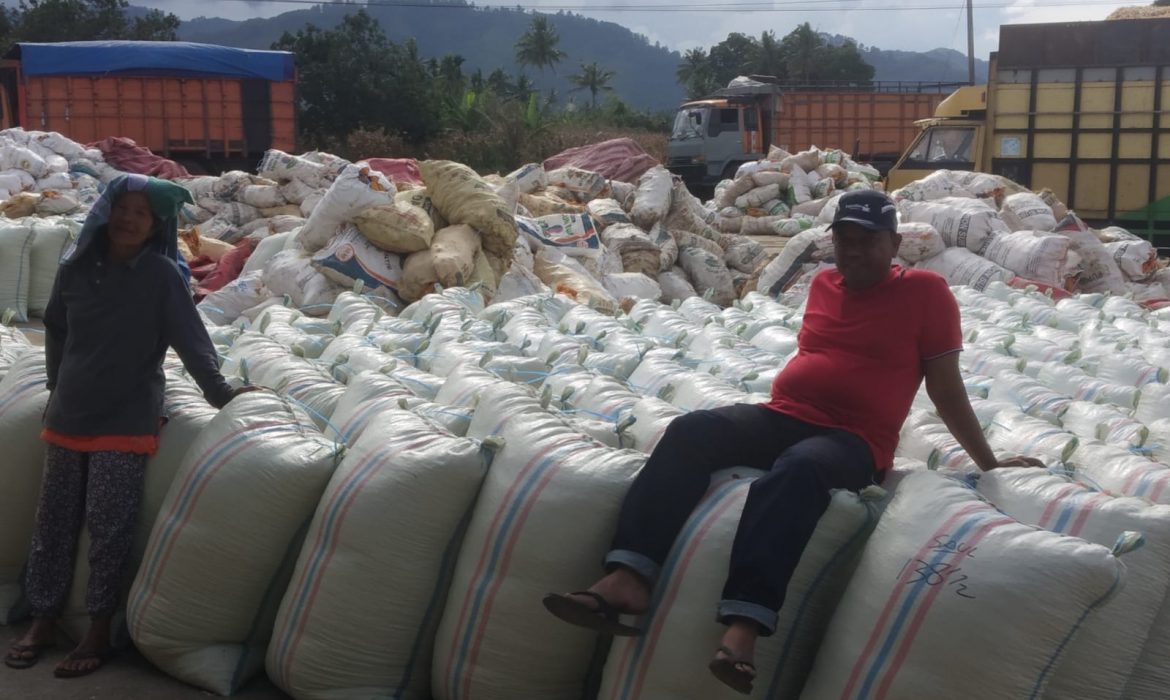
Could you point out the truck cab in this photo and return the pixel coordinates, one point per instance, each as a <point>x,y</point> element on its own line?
<point>951,140</point>
<point>1077,108</point>
<point>713,136</point>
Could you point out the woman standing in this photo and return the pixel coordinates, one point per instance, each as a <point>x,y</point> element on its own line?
<point>119,301</point>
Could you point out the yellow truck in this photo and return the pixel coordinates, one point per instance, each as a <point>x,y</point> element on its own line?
<point>1075,107</point>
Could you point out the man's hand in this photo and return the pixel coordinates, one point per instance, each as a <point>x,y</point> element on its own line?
<point>1019,462</point>
<point>247,390</point>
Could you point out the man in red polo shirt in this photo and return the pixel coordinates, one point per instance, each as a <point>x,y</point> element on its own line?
<point>871,333</point>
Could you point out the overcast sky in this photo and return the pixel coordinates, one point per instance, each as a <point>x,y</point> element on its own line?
<point>912,29</point>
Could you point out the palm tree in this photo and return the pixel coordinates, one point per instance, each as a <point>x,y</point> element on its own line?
<point>593,78</point>
<point>770,56</point>
<point>537,47</point>
<point>692,71</point>
<point>523,88</point>
<point>802,49</point>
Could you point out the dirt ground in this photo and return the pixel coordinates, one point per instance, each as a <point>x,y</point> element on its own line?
<point>127,677</point>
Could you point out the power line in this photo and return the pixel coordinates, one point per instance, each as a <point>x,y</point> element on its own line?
<point>754,7</point>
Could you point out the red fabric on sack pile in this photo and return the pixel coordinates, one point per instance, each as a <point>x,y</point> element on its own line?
<point>127,156</point>
<point>399,170</point>
<point>617,159</point>
<point>225,271</point>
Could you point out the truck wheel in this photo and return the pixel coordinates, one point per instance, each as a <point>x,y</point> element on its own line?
<point>194,167</point>
<point>729,171</point>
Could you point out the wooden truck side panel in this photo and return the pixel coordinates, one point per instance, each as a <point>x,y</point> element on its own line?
<point>168,115</point>
<point>869,125</point>
<point>1084,117</point>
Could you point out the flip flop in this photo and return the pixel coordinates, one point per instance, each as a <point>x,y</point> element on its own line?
<point>100,656</point>
<point>21,661</point>
<point>727,669</point>
<point>603,618</point>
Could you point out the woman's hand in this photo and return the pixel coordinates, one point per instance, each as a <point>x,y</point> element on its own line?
<point>247,390</point>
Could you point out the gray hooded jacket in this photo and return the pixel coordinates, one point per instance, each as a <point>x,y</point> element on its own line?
<point>108,325</point>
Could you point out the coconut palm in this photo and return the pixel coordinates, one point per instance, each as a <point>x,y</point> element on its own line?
<point>694,73</point>
<point>593,78</point>
<point>537,47</point>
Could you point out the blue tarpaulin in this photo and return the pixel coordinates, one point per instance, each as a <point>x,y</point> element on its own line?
<point>152,58</point>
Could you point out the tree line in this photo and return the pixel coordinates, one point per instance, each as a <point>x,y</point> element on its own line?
<point>802,56</point>
<point>352,79</point>
<point>82,20</point>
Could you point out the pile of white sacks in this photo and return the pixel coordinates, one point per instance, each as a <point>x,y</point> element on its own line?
<point>314,225</point>
<point>47,184</point>
<point>457,461</point>
<point>972,228</point>
<point>321,224</point>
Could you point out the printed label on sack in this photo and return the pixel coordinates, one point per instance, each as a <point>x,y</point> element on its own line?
<point>562,230</point>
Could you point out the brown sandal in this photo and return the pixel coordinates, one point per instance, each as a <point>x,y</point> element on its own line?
<point>736,673</point>
<point>603,618</point>
<point>15,658</point>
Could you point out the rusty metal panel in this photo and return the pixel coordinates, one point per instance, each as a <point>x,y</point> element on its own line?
<point>1083,44</point>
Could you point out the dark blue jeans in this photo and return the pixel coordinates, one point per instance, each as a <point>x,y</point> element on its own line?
<point>803,463</point>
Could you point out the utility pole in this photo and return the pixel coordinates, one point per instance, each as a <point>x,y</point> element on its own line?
<point>970,42</point>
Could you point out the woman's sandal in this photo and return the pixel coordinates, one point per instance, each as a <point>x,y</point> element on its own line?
<point>101,657</point>
<point>734,672</point>
<point>603,618</point>
<point>15,658</point>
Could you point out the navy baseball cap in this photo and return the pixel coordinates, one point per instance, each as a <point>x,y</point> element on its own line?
<point>869,208</point>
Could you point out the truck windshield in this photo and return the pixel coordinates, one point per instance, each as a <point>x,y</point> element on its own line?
<point>688,124</point>
<point>945,144</point>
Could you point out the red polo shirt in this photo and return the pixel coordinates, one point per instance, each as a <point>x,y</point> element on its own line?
<point>860,357</point>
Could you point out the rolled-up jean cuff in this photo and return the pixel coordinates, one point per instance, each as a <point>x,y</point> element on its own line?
<point>762,616</point>
<point>638,563</point>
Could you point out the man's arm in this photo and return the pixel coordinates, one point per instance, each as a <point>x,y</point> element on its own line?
<point>944,385</point>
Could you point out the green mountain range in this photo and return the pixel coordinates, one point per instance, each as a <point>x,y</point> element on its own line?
<point>485,38</point>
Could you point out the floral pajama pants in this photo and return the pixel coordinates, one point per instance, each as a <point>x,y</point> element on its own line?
<point>103,490</point>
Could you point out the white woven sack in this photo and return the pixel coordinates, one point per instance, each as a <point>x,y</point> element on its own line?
<point>652,201</point>
<point>1035,256</point>
<point>16,244</point>
<point>943,561</point>
<point>962,267</point>
<point>376,563</point>
<point>670,660</point>
<point>1103,655</point>
<point>1030,211</point>
<point>500,403</point>
<point>23,398</point>
<point>220,556</point>
<point>50,238</point>
<point>355,190</point>
<point>1110,468</point>
<point>962,222</point>
<point>367,394</point>
<point>542,523</point>
<point>13,345</point>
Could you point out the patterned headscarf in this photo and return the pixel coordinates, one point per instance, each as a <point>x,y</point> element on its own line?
<point>166,200</point>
